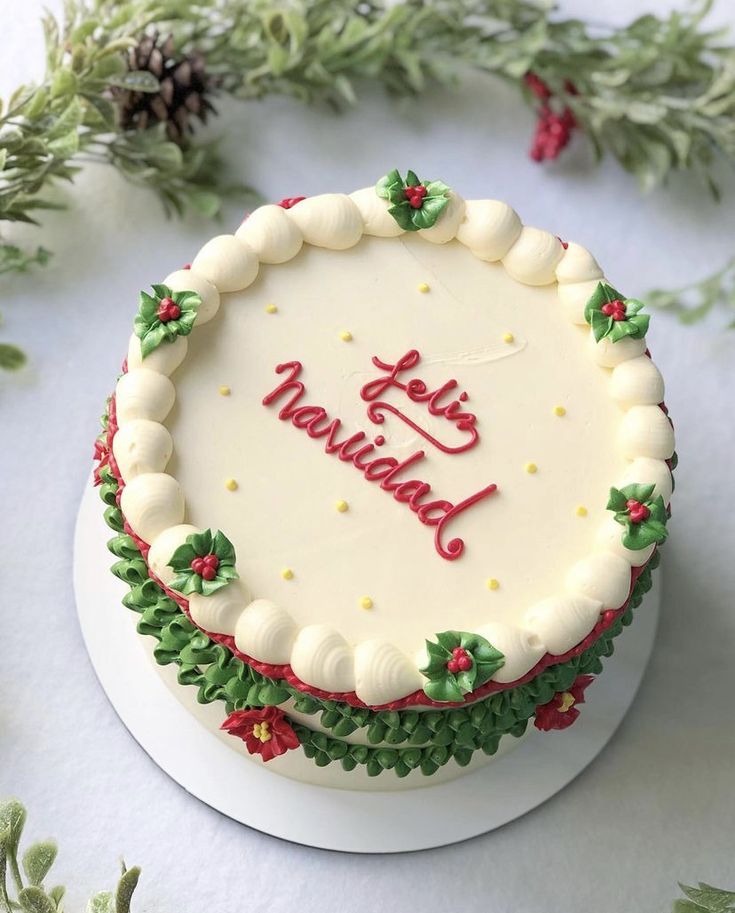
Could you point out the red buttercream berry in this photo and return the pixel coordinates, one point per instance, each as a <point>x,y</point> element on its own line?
<point>614,309</point>
<point>168,310</point>
<point>290,202</point>
<point>638,512</point>
<point>211,561</point>
<point>415,195</point>
<point>461,661</point>
<point>208,572</point>
<point>197,565</point>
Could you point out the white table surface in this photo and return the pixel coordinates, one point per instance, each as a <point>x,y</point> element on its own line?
<point>657,806</point>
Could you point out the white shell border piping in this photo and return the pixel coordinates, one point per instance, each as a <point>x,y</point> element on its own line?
<point>376,670</point>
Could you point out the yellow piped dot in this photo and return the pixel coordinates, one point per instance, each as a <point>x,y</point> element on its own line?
<point>560,410</point>
<point>493,584</point>
<point>581,511</point>
<point>287,573</point>
<point>271,309</point>
<point>342,506</point>
<point>508,337</point>
<point>224,390</point>
<point>345,336</point>
<point>366,603</point>
<point>531,468</point>
<point>424,287</point>
<point>231,485</point>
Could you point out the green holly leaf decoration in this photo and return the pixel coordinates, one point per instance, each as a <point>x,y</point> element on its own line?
<point>458,663</point>
<point>645,521</point>
<point>163,316</point>
<point>416,204</point>
<point>190,561</point>
<point>612,315</point>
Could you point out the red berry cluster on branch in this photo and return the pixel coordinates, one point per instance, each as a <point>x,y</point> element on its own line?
<point>553,128</point>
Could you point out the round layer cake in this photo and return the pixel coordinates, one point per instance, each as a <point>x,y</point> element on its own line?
<point>388,472</point>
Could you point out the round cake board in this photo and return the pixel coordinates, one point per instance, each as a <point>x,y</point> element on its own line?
<point>334,819</point>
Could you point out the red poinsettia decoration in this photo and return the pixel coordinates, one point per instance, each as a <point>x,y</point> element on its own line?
<point>561,711</point>
<point>265,731</point>
<point>101,457</point>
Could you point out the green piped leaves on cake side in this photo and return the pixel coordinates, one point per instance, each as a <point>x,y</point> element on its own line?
<point>163,316</point>
<point>457,664</point>
<point>613,316</point>
<point>642,516</point>
<point>203,564</point>
<point>416,204</point>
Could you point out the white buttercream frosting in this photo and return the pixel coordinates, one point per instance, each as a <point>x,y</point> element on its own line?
<point>189,280</point>
<point>489,228</point>
<point>164,360</point>
<point>227,263</point>
<point>271,234</point>
<point>220,612</point>
<point>266,631</point>
<point>376,219</point>
<point>143,394</point>
<point>141,446</point>
<point>602,576</point>
<point>163,547</point>
<point>534,257</point>
<point>320,654</point>
<point>560,622</point>
<point>152,503</point>
<point>322,657</point>
<point>646,431</point>
<point>637,381</point>
<point>446,226</point>
<point>383,673</point>
<point>330,220</point>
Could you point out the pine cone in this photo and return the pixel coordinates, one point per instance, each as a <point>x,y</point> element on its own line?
<point>183,95</point>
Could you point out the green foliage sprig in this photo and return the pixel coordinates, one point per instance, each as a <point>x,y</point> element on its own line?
<point>658,94</point>
<point>692,303</point>
<point>22,877</point>
<point>704,899</point>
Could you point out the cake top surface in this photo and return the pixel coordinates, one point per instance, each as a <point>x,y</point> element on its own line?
<point>419,446</point>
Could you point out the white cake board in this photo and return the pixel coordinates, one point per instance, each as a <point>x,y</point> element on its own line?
<point>335,819</point>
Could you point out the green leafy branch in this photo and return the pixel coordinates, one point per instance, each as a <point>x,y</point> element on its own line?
<point>22,877</point>
<point>692,303</point>
<point>705,899</point>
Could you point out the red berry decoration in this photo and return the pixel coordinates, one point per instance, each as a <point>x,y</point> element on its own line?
<point>415,195</point>
<point>211,561</point>
<point>197,565</point>
<point>208,572</point>
<point>168,310</point>
<point>461,661</point>
<point>614,309</point>
<point>638,512</point>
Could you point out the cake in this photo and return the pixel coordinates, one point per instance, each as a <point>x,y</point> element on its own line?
<point>387,474</point>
